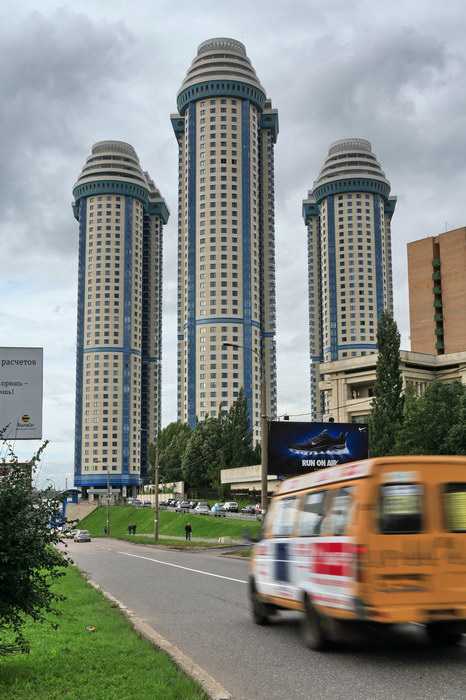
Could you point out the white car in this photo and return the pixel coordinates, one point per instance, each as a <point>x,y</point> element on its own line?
<point>231,506</point>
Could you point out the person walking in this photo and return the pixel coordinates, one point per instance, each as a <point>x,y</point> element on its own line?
<point>130,529</point>
<point>188,529</point>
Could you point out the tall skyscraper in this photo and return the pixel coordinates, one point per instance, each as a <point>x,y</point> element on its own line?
<point>226,131</point>
<point>121,215</point>
<point>437,293</point>
<point>347,214</point>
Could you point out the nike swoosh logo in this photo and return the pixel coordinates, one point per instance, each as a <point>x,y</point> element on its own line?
<point>361,430</point>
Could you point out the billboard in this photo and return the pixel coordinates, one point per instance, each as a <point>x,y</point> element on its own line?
<point>21,372</point>
<point>297,448</point>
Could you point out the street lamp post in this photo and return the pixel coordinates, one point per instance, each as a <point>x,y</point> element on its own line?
<point>156,475</point>
<point>108,503</point>
<point>264,423</point>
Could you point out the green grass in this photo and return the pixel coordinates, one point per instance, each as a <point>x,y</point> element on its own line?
<point>72,663</point>
<point>169,524</point>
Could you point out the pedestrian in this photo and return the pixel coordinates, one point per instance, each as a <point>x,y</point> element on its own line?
<point>188,529</point>
<point>134,529</point>
<point>130,529</point>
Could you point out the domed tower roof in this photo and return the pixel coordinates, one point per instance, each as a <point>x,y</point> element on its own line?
<point>350,161</point>
<point>221,66</point>
<point>114,160</point>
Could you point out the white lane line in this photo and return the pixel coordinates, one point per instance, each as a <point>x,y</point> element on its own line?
<point>186,568</point>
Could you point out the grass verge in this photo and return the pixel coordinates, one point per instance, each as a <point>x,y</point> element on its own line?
<point>72,663</point>
<point>169,523</point>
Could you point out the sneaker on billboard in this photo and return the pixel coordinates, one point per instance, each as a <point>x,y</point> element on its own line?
<point>323,442</point>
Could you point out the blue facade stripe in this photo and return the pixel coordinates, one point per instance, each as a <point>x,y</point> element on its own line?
<point>191,321</point>
<point>212,88</point>
<point>80,341</point>
<point>332,276</point>
<point>222,319</point>
<point>100,480</point>
<point>110,348</point>
<point>126,408</point>
<point>378,257</point>
<point>246,249</point>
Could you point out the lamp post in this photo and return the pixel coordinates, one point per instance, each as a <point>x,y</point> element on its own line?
<point>264,423</point>
<point>156,479</point>
<point>108,503</point>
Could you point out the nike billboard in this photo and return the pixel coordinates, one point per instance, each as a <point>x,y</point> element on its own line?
<point>297,448</point>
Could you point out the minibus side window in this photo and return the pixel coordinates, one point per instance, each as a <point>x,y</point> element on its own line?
<point>454,501</point>
<point>337,511</point>
<point>401,508</point>
<point>285,512</point>
<point>341,509</point>
<point>311,517</point>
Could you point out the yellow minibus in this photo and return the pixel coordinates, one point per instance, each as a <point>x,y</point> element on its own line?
<point>380,542</point>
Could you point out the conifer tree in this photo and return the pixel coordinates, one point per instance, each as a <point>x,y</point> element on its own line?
<point>387,406</point>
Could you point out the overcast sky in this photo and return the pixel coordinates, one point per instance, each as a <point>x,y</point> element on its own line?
<point>75,73</point>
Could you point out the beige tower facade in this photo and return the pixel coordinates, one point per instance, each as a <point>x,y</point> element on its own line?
<point>437,293</point>
<point>121,216</point>
<point>348,216</point>
<point>226,131</point>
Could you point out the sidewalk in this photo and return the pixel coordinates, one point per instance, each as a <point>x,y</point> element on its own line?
<point>193,539</point>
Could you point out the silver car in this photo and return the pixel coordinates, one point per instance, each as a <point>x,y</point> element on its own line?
<point>82,536</point>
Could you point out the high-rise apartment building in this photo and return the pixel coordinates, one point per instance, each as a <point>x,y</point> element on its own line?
<point>347,214</point>
<point>226,131</point>
<point>437,293</point>
<point>121,216</point>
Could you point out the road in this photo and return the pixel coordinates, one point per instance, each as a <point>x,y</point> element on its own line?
<point>197,600</point>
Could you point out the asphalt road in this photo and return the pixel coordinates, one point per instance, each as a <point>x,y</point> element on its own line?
<point>198,601</point>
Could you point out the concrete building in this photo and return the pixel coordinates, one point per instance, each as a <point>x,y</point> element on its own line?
<point>347,214</point>
<point>348,384</point>
<point>226,130</point>
<point>121,216</point>
<point>437,293</point>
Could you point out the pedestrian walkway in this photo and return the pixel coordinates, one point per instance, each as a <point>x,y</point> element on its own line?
<point>193,539</point>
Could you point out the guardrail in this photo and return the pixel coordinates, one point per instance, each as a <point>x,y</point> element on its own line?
<point>235,516</point>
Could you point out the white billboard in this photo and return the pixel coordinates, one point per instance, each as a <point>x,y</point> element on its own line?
<point>21,371</point>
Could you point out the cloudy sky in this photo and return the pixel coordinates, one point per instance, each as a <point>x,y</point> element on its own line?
<point>75,73</point>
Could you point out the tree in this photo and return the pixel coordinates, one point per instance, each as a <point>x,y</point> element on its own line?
<point>203,457</point>
<point>29,563</point>
<point>172,444</point>
<point>433,422</point>
<point>387,407</point>
<point>237,432</point>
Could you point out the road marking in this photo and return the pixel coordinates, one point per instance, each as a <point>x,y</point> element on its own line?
<point>186,568</point>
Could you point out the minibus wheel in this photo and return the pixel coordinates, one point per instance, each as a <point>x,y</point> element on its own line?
<point>443,633</point>
<point>260,611</point>
<point>312,628</point>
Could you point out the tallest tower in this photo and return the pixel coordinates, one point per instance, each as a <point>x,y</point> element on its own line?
<point>226,131</point>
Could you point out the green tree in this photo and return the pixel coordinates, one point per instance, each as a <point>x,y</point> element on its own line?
<point>237,435</point>
<point>203,457</point>
<point>387,406</point>
<point>172,444</point>
<point>456,438</point>
<point>432,422</point>
<point>29,563</point>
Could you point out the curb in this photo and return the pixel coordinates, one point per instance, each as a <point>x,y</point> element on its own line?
<point>214,690</point>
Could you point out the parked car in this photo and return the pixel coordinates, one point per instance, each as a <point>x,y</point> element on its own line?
<point>249,510</point>
<point>202,508</point>
<point>183,505</point>
<point>219,510</point>
<point>82,536</point>
<point>231,506</point>
<point>193,504</point>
